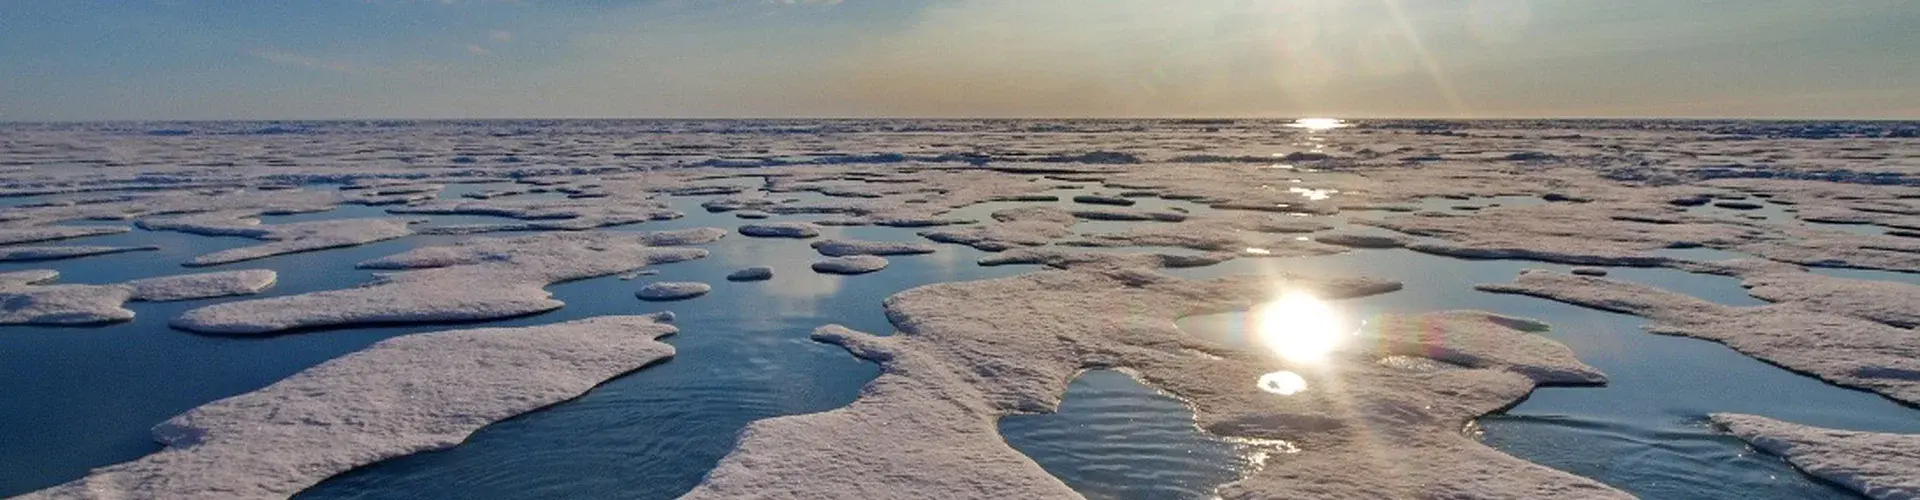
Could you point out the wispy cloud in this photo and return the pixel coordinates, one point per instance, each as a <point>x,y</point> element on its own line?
<point>477,50</point>
<point>284,58</point>
<point>502,36</point>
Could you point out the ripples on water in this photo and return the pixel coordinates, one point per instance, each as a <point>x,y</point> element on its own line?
<point>1114,438</point>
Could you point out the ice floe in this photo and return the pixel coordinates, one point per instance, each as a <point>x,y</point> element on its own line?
<point>672,290</point>
<point>476,279</point>
<point>1877,465</point>
<point>26,254</point>
<point>1811,338</point>
<point>852,264</point>
<point>402,396</point>
<point>26,299</point>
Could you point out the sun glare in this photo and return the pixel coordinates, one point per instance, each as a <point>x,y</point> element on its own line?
<point>1284,383</point>
<point>1318,124</point>
<point>1299,327</point>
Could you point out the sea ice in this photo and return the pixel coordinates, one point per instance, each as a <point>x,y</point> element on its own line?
<point>755,273</point>
<point>852,264</point>
<point>476,279</point>
<point>401,396</point>
<point>672,290</point>
<point>26,254</point>
<point>281,238</point>
<point>969,353</point>
<point>843,248</point>
<point>1808,338</point>
<point>26,300</point>
<point>1877,465</point>
<point>798,230</point>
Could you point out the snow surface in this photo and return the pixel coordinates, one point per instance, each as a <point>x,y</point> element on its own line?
<point>27,254</point>
<point>1852,351</point>
<point>401,396</point>
<point>476,279</point>
<point>800,230</point>
<point>1877,465</point>
<point>970,353</point>
<point>755,273</point>
<point>852,264</point>
<point>672,290</point>
<point>843,248</point>
<point>27,300</point>
<point>281,238</point>
<point>1633,193</point>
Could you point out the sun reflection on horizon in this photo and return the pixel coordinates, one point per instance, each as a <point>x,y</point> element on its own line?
<point>1318,124</point>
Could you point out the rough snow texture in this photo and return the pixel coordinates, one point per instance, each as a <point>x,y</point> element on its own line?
<point>281,238</point>
<point>1811,337</point>
<point>1059,258</point>
<point>401,396</point>
<point>10,236</point>
<point>672,290</point>
<point>27,254</point>
<point>798,230</point>
<point>1010,228</point>
<point>619,207</point>
<point>755,273</point>
<point>852,264</point>
<point>843,248</point>
<point>1877,465</point>
<point>477,279</point>
<point>26,300</point>
<point>1232,232</point>
<point>204,285</point>
<point>28,277</point>
<point>970,353</point>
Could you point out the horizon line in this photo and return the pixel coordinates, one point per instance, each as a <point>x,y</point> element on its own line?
<point>978,118</point>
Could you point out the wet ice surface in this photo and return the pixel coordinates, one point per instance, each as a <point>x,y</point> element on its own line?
<point>1646,430</point>
<point>744,355</point>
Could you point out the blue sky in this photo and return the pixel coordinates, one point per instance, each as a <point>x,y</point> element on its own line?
<point>185,59</point>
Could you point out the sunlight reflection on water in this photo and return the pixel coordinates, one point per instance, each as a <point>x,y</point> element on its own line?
<point>1300,327</point>
<point>1318,124</point>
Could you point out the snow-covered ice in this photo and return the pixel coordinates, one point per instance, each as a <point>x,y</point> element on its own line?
<point>1627,193</point>
<point>672,290</point>
<point>28,300</point>
<point>843,248</point>
<point>401,396</point>
<point>476,279</point>
<point>801,230</point>
<point>755,273</point>
<point>969,353</point>
<point>852,264</point>
<point>1877,465</point>
<point>26,254</point>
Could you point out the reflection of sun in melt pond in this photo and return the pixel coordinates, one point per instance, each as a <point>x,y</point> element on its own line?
<point>1301,329</point>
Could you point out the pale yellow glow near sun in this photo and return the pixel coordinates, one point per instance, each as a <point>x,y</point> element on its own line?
<point>1300,328</point>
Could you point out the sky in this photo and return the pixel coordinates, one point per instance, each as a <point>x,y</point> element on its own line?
<point>324,59</point>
